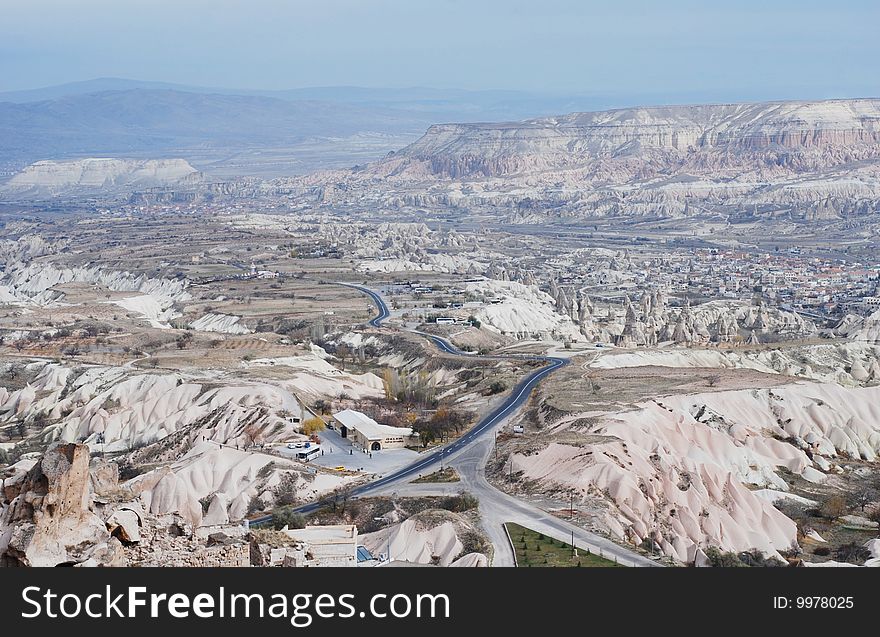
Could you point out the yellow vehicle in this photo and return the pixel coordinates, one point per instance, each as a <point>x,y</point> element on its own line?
<point>340,468</point>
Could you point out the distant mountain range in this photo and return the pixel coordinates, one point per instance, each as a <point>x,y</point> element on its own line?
<point>798,160</point>
<point>516,104</point>
<point>228,131</point>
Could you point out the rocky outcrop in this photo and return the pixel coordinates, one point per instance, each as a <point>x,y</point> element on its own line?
<point>60,511</point>
<point>47,516</point>
<point>31,283</point>
<point>431,537</point>
<point>101,174</point>
<point>867,329</point>
<point>662,134</point>
<point>814,161</point>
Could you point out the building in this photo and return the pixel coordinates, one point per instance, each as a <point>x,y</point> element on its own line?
<point>328,545</point>
<point>365,432</point>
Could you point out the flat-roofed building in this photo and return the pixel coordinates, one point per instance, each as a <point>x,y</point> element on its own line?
<point>326,545</point>
<point>362,430</point>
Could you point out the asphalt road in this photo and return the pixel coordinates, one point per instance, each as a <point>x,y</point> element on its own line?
<point>469,454</point>
<point>511,404</point>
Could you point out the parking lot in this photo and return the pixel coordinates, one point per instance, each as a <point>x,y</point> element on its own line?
<point>339,452</point>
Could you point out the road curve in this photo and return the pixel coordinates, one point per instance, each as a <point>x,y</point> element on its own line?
<point>470,453</point>
<point>514,401</point>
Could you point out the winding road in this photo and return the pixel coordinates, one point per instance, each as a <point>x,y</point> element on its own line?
<point>469,453</point>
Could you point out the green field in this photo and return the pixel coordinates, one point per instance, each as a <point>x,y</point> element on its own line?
<point>535,549</point>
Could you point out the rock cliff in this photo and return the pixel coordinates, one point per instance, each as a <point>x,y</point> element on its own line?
<point>809,161</point>
<point>100,174</point>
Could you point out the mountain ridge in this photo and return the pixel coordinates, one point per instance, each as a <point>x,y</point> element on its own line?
<point>100,174</point>
<point>805,160</point>
<point>789,124</point>
<point>229,128</point>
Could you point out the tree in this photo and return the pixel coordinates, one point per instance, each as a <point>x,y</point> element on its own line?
<point>285,492</point>
<point>440,422</point>
<point>445,420</point>
<point>286,516</point>
<point>426,437</point>
<point>313,426</point>
<point>862,497</point>
<point>724,560</point>
<point>321,406</point>
<point>460,503</point>
<point>340,498</point>
<point>183,340</point>
<point>852,552</point>
<point>833,507</point>
<point>255,505</point>
<point>343,351</point>
<point>497,387</point>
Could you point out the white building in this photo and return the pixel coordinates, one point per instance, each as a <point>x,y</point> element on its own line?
<point>328,545</point>
<point>369,434</point>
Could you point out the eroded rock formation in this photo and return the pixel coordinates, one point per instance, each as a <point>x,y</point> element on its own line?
<point>48,518</point>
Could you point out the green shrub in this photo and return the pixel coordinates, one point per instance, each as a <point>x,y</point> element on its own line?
<point>497,387</point>
<point>255,505</point>
<point>460,503</point>
<point>724,560</point>
<point>286,516</point>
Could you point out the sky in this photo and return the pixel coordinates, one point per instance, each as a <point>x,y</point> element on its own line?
<point>682,50</point>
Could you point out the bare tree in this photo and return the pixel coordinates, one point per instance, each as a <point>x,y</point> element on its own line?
<point>862,497</point>
<point>343,351</point>
<point>834,507</point>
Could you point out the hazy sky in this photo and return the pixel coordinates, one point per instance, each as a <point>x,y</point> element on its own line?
<point>687,50</point>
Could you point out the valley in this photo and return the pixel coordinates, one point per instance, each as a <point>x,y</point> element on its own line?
<point>652,333</point>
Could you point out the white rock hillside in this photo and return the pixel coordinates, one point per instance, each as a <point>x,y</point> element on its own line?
<point>100,173</point>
